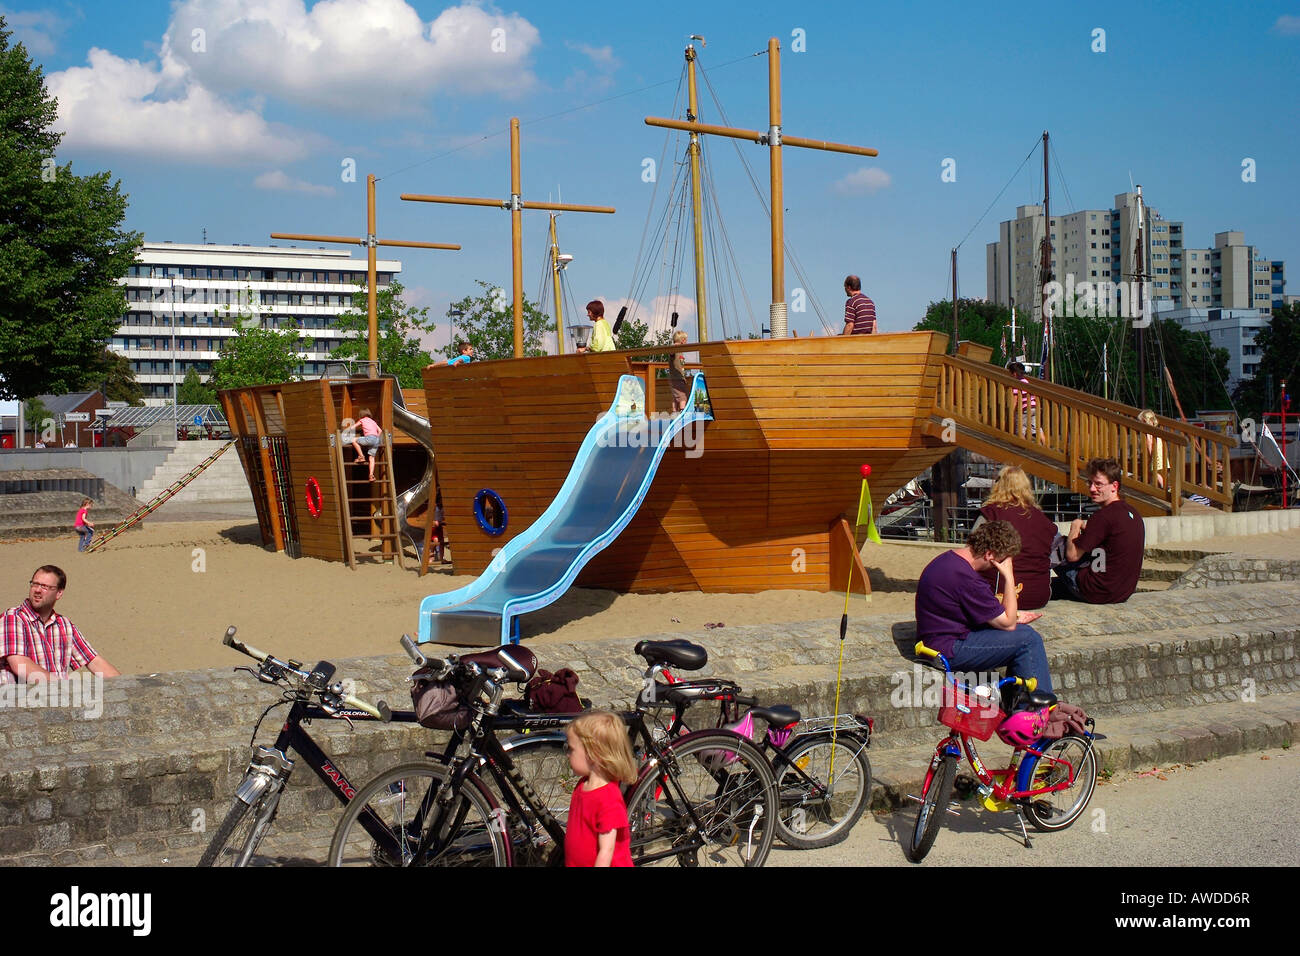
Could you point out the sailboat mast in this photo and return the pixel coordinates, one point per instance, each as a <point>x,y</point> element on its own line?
<point>1045,268</point>
<point>1140,275</point>
<point>555,285</point>
<point>697,206</point>
<point>777,311</point>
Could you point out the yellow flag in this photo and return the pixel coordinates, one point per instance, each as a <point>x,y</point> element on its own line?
<point>865,515</point>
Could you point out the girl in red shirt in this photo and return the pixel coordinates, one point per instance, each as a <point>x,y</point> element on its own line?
<point>600,754</point>
<point>85,527</point>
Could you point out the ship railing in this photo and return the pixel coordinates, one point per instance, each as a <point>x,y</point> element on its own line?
<point>1065,427</point>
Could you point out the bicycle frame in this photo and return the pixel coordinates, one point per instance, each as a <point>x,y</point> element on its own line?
<point>999,779</point>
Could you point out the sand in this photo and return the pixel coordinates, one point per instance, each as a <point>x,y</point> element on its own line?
<point>160,599</point>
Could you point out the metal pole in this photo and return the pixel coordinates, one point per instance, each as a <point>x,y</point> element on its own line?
<point>697,205</point>
<point>1140,275</point>
<point>1045,267</point>
<point>516,237</point>
<point>955,331</point>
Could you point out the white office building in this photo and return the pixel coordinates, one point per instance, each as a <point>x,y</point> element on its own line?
<point>1231,329</point>
<point>184,299</point>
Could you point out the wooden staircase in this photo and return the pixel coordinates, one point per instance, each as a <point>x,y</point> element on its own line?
<point>977,406</point>
<point>370,504</point>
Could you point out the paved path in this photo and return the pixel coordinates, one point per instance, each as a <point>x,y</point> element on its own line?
<point>1238,811</point>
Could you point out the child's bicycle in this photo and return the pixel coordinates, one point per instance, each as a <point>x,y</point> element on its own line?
<point>820,764</point>
<point>1050,781</point>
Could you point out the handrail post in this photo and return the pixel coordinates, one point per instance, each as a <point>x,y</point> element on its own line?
<point>1176,480</point>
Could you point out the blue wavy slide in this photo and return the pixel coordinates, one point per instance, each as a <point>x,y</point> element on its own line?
<point>608,481</point>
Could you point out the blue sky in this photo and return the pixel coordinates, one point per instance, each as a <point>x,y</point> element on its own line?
<point>242,129</point>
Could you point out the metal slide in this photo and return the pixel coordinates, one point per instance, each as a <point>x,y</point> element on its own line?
<point>416,495</point>
<point>606,485</point>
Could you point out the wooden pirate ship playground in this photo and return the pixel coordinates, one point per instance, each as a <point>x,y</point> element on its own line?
<point>751,493</point>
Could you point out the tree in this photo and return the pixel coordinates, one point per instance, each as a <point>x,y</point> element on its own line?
<point>194,392</point>
<point>1279,360</point>
<point>488,324</point>
<point>62,246</point>
<point>977,321</point>
<point>399,327</point>
<point>256,355</point>
<point>111,373</point>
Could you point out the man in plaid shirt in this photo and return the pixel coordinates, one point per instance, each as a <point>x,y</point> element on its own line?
<point>39,643</point>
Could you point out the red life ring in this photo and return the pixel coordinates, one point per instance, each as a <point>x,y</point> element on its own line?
<point>313,497</point>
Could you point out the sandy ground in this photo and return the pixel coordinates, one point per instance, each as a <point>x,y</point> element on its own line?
<point>160,599</point>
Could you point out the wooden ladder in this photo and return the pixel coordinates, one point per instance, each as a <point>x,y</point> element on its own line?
<point>380,500</point>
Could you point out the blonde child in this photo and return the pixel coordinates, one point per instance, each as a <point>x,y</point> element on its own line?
<point>599,753</point>
<point>371,438</point>
<point>677,374</point>
<point>85,528</point>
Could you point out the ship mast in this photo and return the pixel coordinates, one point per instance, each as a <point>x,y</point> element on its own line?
<point>1139,273</point>
<point>774,139</point>
<point>697,210</point>
<point>1045,268</point>
<point>556,268</point>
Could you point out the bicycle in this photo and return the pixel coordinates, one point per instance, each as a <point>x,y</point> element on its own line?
<point>1050,781</point>
<point>687,807</point>
<point>820,764</point>
<point>310,696</point>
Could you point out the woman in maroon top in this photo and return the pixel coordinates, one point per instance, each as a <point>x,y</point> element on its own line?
<point>1012,500</point>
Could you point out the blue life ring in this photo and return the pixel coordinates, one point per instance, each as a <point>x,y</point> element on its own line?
<point>481,516</point>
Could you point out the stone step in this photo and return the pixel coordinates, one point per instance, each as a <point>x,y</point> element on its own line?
<point>1162,571</point>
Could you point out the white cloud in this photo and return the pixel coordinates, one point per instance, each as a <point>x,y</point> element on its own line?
<point>864,181</point>
<point>278,180</point>
<point>602,56</point>
<point>1287,25</point>
<point>372,55</point>
<point>158,110</point>
<point>37,30</point>
<point>656,314</point>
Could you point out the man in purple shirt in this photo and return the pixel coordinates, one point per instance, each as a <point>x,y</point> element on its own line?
<point>958,615</point>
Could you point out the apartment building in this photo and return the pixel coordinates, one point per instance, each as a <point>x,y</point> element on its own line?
<point>184,299</point>
<point>1100,245</point>
<point>1231,329</point>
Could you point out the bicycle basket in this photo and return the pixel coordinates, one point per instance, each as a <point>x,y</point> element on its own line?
<point>438,704</point>
<point>964,711</point>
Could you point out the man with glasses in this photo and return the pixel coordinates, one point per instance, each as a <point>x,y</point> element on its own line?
<point>41,644</point>
<point>1104,553</point>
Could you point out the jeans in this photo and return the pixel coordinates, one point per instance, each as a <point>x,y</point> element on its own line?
<point>1020,651</point>
<point>84,535</point>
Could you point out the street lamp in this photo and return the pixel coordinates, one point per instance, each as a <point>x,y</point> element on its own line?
<point>454,313</point>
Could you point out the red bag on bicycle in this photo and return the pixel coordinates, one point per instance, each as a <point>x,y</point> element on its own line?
<point>555,693</point>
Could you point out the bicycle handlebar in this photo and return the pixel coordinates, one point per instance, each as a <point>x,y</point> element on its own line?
<point>380,711</point>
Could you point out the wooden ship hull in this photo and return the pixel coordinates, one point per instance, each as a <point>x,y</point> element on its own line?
<point>759,503</point>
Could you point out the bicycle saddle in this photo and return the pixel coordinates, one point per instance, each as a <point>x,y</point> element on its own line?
<point>518,661</point>
<point>779,715</point>
<point>678,653</point>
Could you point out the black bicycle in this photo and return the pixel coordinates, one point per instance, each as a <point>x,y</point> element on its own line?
<point>309,695</point>
<point>706,798</point>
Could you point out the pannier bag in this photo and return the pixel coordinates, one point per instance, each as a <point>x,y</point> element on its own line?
<point>556,693</point>
<point>438,703</point>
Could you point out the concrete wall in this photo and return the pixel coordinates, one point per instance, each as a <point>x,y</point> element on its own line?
<point>1171,530</point>
<point>123,467</point>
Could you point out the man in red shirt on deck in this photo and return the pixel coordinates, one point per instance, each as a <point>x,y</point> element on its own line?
<point>859,311</point>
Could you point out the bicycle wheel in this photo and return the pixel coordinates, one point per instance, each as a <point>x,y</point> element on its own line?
<point>385,822</point>
<point>1056,811</point>
<point>934,804</point>
<point>542,762</point>
<point>711,803</point>
<point>817,810</point>
<point>237,838</point>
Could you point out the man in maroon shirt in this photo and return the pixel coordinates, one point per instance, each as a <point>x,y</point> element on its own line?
<point>859,311</point>
<point>1104,552</point>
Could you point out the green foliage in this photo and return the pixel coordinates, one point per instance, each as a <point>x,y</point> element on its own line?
<point>399,325</point>
<point>257,356</point>
<point>977,321</point>
<point>634,334</point>
<point>1279,360</point>
<point>192,391</point>
<point>489,325</point>
<point>111,373</point>
<point>35,414</point>
<point>62,246</point>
